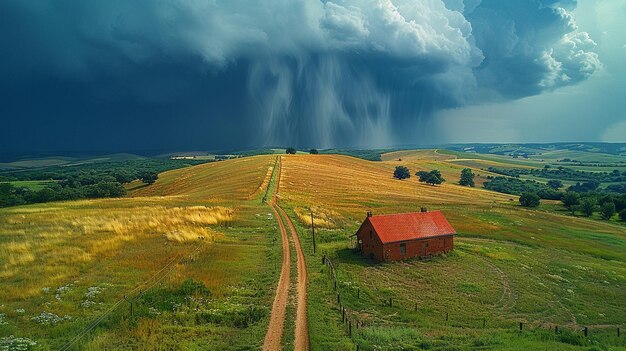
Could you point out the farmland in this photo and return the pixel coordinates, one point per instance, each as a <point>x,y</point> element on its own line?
<point>510,265</point>
<point>200,255</point>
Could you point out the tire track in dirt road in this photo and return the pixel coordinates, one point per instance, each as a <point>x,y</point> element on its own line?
<point>276,326</point>
<point>277,320</point>
<point>301,342</point>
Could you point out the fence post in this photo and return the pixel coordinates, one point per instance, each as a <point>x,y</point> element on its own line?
<point>484,322</point>
<point>350,328</point>
<point>521,326</point>
<point>390,302</point>
<point>343,314</point>
<point>358,293</point>
<point>338,299</point>
<point>586,331</point>
<point>618,332</point>
<point>324,259</point>
<point>416,307</point>
<point>446,316</point>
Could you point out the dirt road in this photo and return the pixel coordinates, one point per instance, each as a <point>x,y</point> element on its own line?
<point>301,341</point>
<point>277,320</point>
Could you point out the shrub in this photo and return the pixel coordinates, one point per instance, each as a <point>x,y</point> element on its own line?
<point>290,151</point>
<point>433,177</point>
<point>607,210</point>
<point>529,200</point>
<point>555,184</point>
<point>588,206</point>
<point>401,172</point>
<point>570,200</point>
<point>622,215</point>
<point>314,152</point>
<point>467,177</point>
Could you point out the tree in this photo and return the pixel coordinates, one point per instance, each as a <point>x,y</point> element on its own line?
<point>467,177</point>
<point>433,177</point>
<point>529,200</point>
<point>607,210</point>
<point>149,177</point>
<point>622,215</point>
<point>401,172</point>
<point>555,184</point>
<point>291,151</point>
<point>588,206</point>
<point>314,152</point>
<point>570,200</point>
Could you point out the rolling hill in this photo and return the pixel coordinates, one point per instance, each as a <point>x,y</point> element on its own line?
<point>205,252</point>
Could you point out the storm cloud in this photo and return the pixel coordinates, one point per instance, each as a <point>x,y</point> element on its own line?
<point>177,74</point>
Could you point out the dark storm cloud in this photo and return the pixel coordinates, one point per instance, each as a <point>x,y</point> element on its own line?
<point>208,74</point>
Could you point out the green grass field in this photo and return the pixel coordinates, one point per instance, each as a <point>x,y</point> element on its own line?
<point>510,265</point>
<point>205,251</point>
<point>34,185</point>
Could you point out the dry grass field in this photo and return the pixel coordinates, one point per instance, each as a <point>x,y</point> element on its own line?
<point>65,264</point>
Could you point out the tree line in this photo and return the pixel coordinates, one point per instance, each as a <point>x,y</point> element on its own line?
<point>89,181</point>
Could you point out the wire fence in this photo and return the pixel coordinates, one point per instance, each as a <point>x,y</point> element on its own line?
<point>353,321</point>
<point>138,290</point>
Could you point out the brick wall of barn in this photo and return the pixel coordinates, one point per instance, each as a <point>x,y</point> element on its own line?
<point>370,244</point>
<point>417,248</point>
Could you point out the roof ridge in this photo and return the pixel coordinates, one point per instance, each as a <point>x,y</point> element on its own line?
<point>403,213</point>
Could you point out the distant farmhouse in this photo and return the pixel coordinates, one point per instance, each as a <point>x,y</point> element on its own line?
<point>397,237</point>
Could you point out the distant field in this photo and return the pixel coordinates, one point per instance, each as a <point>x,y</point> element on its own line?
<point>582,156</point>
<point>34,185</point>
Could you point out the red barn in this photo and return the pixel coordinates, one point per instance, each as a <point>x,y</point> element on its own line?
<point>400,236</point>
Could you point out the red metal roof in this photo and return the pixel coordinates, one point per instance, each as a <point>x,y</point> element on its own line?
<point>410,226</point>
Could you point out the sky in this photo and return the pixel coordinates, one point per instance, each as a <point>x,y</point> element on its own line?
<point>179,75</point>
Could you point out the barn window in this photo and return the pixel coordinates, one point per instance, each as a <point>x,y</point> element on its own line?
<point>402,249</point>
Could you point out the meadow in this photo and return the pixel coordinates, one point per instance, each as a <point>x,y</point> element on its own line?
<point>510,265</point>
<point>198,253</point>
<point>195,253</point>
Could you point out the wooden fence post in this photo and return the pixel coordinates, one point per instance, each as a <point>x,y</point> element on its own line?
<point>586,331</point>
<point>447,316</point>
<point>390,302</point>
<point>618,332</point>
<point>556,329</point>
<point>350,328</point>
<point>521,326</point>
<point>358,293</point>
